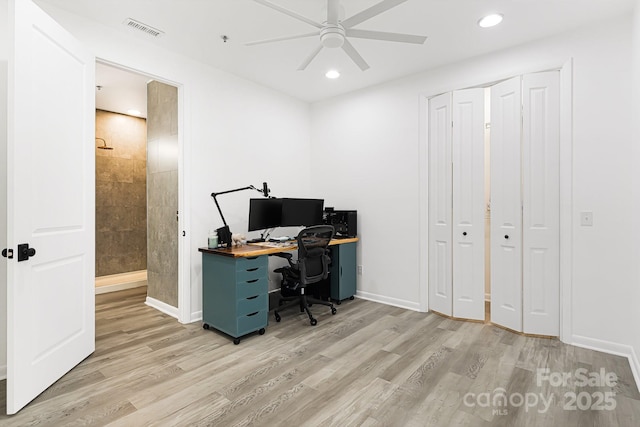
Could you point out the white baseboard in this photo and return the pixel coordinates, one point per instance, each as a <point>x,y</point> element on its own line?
<point>196,317</point>
<point>3,372</point>
<point>409,305</point>
<point>611,348</point>
<point>163,307</point>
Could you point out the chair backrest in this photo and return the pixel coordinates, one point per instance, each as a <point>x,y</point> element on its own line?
<point>313,260</point>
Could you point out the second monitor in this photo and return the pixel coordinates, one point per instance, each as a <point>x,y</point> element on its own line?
<point>301,212</point>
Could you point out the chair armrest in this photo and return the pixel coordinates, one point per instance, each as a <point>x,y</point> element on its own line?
<point>286,255</point>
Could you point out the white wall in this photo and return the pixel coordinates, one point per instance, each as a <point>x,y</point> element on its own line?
<point>636,186</point>
<point>3,186</point>
<point>371,140</point>
<point>235,133</point>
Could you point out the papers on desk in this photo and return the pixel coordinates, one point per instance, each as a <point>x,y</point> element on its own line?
<point>275,244</point>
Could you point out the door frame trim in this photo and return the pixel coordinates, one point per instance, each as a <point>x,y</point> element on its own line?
<point>566,183</point>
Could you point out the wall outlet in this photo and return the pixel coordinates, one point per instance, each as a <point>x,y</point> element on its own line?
<point>359,270</point>
<point>586,219</point>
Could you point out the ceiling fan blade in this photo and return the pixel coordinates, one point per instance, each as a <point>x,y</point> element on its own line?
<point>374,10</point>
<point>279,39</point>
<point>310,58</point>
<point>333,11</point>
<point>355,56</point>
<point>289,12</point>
<point>390,37</point>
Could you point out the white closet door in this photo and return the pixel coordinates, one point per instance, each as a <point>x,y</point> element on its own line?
<point>541,203</point>
<point>506,208</point>
<point>468,204</point>
<point>440,192</point>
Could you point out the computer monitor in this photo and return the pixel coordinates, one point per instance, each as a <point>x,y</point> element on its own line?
<point>264,213</point>
<point>301,212</point>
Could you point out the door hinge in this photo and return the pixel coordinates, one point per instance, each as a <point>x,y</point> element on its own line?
<point>7,253</point>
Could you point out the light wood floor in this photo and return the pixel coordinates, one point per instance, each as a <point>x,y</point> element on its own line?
<point>370,364</point>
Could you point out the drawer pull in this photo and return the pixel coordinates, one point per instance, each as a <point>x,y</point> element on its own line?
<point>252,269</point>
<point>252,281</point>
<point>251,257</point>
<point>254,297</point>
<point>253,314</point>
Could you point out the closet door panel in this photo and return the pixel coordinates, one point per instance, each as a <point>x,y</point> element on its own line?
<point>541,203</point>
<point>440,193</point>
<point>506,205</point>
<point>468,203</point>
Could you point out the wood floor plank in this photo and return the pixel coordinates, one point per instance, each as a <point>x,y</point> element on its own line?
<point>369,365</point>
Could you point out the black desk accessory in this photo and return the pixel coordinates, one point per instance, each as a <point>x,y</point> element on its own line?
<point>224,233</point>
<point>344,222</point>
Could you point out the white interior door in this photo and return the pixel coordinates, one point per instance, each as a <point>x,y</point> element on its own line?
<point>468,204</point>
<point>506,205</point>
<point>50,202</point>
<point>541,203</point>
<point>440,199</point>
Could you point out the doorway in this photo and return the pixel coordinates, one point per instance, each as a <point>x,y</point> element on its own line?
<point>136,185</point>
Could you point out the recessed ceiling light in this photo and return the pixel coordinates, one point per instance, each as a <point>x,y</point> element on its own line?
<point>134,112</point>
<point>332,74</point>
<point>490,20</point>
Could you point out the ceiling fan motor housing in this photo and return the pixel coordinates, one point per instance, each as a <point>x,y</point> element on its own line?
<point>332,36</point>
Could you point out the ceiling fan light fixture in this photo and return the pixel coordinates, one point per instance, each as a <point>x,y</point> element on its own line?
<point>332,37</point>
<point>490,20</point>
<point>332,74</point>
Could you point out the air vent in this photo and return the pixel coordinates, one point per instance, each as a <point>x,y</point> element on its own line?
<point>147,29</point>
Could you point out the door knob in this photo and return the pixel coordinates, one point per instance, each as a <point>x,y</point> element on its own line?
<point>506,236</point>
<point>24,252</point>
<point>464,233</point>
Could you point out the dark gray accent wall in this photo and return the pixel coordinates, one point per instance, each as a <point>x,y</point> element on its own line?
<point>121,185</point>
<point>162,192</point>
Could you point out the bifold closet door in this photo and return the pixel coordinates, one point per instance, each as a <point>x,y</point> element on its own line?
<point>440,210</point>
<point>506,205</point>
<point>468,204</point>
<point>541,203</point>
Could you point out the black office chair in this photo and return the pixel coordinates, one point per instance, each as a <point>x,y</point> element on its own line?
<point>312,267</point>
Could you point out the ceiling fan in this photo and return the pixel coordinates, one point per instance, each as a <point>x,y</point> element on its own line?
<point>334,32</point>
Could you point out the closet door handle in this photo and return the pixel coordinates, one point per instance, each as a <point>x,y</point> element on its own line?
<point>506,236</point>
<point>464,233</point>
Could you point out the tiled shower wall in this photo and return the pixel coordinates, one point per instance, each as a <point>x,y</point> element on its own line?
<point>162,128</point>
<point>121,185</point>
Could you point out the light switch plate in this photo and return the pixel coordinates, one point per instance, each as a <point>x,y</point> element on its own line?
<point>586,219</point>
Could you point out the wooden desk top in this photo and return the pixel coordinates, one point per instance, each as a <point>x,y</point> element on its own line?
<point>265,248</point>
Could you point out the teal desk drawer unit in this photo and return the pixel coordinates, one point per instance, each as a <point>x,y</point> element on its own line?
<point>343,271</point>
<point>234,294</point>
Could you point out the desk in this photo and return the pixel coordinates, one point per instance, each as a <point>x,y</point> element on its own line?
<point>235,283</point>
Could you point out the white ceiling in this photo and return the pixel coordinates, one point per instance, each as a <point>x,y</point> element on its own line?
<point>119,91</point>
<point>194,28</point>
